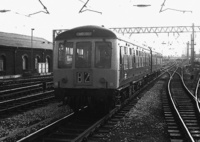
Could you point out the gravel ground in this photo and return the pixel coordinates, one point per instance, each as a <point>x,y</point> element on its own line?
<point>189,80</point>
<point>18,126</point>
<point>143,123</point>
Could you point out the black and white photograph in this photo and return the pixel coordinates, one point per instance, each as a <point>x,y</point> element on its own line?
<point>99,71</point>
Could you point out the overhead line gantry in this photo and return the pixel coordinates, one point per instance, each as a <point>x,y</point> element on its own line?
<point>167,29</point>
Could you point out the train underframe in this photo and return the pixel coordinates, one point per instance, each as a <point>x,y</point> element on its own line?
<point>100,100</point>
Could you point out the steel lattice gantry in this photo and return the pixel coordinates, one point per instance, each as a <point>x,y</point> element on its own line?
<point>167,29</point>
<point>138,30</point>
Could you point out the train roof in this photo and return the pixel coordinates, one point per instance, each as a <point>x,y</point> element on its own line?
<point>96,31</point>
<point>18,40</point>
<point>93,32</point>
<point>86,31</point>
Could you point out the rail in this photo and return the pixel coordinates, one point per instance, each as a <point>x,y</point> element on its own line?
<point>90,129</point>
<point>187,132</point>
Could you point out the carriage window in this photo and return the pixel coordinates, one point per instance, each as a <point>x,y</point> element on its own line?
<point>65,55</point>
<point>103,54</point>
<point>124,57</point>
<point>133,56</point>
<point>137,59</point>
<point>142,59</point>
<point>149,57</point>
<point>83,55</point>
<point>146,59</point>
<point>130,59</point>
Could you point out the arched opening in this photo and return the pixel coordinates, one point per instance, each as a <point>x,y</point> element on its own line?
<point>37,60</point>
<point>24,62</point>
<point>47,63</point>
<point>2,63</point>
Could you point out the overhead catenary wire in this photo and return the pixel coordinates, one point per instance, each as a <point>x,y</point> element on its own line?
<point>45,8</point>
<point>85,6</point>
<point>163,4</point>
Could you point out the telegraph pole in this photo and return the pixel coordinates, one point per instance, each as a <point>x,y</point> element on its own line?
<point>156,30</point>
<point>192,47</point>
<point>188,44</point>
<point>151,59</point>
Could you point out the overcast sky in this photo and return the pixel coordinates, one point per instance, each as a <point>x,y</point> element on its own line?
<point>64,14</point>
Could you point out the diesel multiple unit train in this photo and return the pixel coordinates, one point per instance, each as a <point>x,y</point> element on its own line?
<point>96,67</point>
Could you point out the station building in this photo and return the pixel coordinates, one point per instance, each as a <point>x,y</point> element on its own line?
<point>23,55</point>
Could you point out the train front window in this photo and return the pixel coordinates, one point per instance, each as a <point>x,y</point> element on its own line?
<point>65,55</point>
<point>103,52</point>
<point>83,55</point>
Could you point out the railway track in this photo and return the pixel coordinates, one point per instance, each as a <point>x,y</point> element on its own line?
<point>181,112</point>
<point>84,125</point>
<point>22,82</point>
<point>190,78</point>
<point>18,99</point>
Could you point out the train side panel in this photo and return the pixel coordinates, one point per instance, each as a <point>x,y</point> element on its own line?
<point>134,63</point>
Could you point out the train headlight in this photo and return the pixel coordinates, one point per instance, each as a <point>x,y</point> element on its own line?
<point>102,80</point>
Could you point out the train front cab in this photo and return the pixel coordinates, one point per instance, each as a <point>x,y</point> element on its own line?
<point>81,74</point>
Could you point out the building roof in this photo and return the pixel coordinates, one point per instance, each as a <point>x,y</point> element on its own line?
<point>17,40</point>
